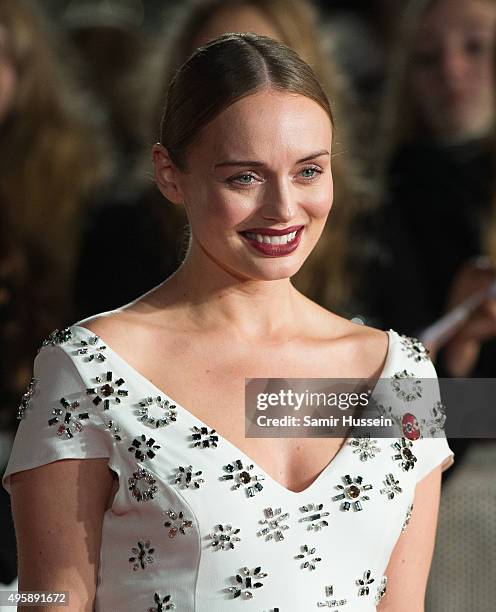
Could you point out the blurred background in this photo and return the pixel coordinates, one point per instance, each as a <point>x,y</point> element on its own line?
<point>412,233</point>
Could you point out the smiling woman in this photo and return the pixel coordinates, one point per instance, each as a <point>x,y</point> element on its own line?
<point>201,516</point>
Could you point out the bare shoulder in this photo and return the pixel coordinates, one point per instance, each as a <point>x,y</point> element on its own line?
<point>120,327</point>
<point>365,346</point>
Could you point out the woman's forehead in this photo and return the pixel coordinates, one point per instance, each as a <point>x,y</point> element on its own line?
<point>270,111</point>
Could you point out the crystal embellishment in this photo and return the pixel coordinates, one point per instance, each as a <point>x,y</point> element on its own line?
<point>168,413</point>
<point>224,537</point>
<point>242,477</point>
<point>414,348</point>
<point>331,603</point>
<point>364,447</point>
<point>406,386</point>
<point>274,524</point>
<point>404,455</point>
<point>187,479</point>
<point>309,557</point>
<point>56,337</point>
<point>314,516</point>
<point>139,478</point>
<point>91,351</point>
<point>204,437</point>
<point>352,493</point>
<point>107,391</point>
<point>177,523</point>
<point>142,555</point>
<point>246,581</point>
<point>408,516</point>
<point>143,448</point>
<point>410,427</point>
<point>114,429</point>
<point>381,590</point>
<point>162,603</point>
<point>364,583</point>
<point>25,399</point>
<point>392,486</point>
<point>69,422</point>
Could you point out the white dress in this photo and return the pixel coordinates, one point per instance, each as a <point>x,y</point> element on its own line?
<point>196,525</point>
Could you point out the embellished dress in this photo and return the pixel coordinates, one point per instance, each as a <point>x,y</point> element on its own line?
<point>196,525</point>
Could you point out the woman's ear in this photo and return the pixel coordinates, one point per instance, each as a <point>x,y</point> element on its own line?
<point>166,174</point>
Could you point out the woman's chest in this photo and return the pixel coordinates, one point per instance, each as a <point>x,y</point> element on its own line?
<point>216,394</point>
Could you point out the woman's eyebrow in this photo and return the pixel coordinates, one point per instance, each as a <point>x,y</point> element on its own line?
<point>259,163</point>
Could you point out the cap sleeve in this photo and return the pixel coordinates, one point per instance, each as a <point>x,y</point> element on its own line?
<point>57,419</point>
<point>432,448</point>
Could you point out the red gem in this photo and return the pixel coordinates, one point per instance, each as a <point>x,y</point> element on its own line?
<point>410,426</point>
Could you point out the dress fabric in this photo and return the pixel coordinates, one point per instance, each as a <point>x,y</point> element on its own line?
<point>196,525</point>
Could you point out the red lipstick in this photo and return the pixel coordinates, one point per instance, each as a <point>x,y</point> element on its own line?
<point>274,250</point>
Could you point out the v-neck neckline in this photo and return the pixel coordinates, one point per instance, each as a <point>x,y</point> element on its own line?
<point>225,441</point>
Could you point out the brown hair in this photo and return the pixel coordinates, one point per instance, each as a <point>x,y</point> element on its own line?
<point>330,273</point>
<point>225,70</point>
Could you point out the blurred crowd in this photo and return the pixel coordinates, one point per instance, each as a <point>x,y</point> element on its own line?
<point>411,236</point>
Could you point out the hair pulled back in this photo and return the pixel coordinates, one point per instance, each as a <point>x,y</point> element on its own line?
<point>225,70</point>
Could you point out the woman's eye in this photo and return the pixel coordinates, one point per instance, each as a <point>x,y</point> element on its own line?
<point>242,179</point>
<point>313,172</point>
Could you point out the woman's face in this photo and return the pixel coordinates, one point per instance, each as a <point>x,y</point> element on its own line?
<point>453,69</point>
<point>263,164</point>
<point>8,76</point>
<point>235,19</point>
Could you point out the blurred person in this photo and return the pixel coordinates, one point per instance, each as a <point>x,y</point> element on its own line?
<point>51,162</point>
<point>112,48</point>
<point>158,231</point>
<point>99,471</point>
<point>437,231</point>
<point>438,174</point>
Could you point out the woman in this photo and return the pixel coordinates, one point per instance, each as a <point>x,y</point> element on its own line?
<point>158,230</point>
<point>235,509</point>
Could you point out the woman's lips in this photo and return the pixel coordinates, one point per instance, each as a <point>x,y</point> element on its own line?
<point>274,250</point>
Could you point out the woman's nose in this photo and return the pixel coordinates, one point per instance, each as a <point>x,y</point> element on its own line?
<point>278,201</point>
